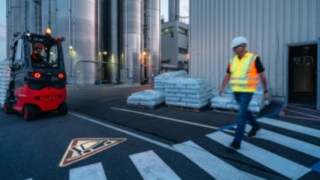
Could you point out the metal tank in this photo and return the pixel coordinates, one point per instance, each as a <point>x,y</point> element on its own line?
<point>33,16</point>
<point>14,24</point>
<point>174,10</point>
<point>110,44</point>
<point>49,16</point>
<point>76,21</point>
<point>152,27</point>
<point>22,16</point>
<point>132,34</point>
<point>36,4</point>
<point>63,29</point>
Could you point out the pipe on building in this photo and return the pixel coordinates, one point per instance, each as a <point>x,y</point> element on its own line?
<point>74,74</point>
<point>174,10</point>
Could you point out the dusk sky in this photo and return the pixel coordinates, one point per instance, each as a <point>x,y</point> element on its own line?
<point>3,47</point>
<point>184,8</point>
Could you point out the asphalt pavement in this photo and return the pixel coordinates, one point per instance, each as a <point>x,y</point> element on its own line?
<point>103,138</point>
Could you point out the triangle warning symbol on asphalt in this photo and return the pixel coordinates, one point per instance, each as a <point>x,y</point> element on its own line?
<point>82,148</point>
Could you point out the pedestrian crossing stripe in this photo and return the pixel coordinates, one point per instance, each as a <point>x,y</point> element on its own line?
<point>92,171</point>
<point>82,148</point>
<point>316,167</point>
<point>266,158</point>
<point>151,166</point>
<point>292,143</point>
<point>291,127</point>
<point>212,164</point>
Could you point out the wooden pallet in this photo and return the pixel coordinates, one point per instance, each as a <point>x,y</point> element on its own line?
<point>231,111</point>
<point>145,107</point>
<point>186,108</point>
<point>224,110</point>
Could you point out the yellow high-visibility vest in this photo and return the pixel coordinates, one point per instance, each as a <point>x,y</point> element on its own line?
<point>244,74</point>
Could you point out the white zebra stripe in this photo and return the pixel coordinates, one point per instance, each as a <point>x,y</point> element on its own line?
<point>291,127</point>
<point>89,172</point>
<point>213,165</point>
<point>273,161</point>
<point>289,142</point>
<point>152,167</point>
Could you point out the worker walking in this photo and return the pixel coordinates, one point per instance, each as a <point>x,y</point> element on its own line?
<point>243,73</point>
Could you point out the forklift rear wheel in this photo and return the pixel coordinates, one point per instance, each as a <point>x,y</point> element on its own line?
<point>63,108</point>
<point>29,112</point>
<point>7,108</point>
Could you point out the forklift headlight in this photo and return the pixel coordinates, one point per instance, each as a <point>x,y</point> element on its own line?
<point>48,31</point>
<point>37,75</point>
<point>60,75</point>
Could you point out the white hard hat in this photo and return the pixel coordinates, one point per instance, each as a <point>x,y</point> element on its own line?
<point>237,41</point>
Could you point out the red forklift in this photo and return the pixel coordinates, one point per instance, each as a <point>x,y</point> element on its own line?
<point>38,77</point>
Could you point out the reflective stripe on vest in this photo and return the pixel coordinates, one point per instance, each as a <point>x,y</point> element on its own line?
<point>244,75</point>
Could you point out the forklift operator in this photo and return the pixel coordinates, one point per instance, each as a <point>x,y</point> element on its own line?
<point>38,55</point>
<point>38,52</point>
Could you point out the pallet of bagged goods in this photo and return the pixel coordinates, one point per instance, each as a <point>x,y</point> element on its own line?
<point>161,79</point>
<point>4,80</point>
<point>188,93</point>
<point>228,102</point>
<point>146,98</point>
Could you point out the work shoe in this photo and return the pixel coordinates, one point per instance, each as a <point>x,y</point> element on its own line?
<point>253,131</point>
<point>235,145</point>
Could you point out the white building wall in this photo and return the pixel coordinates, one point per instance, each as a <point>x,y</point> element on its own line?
<point>269,25</point>
<point>171,42</point>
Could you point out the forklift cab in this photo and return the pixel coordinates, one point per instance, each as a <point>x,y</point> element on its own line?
<point>37,80</point>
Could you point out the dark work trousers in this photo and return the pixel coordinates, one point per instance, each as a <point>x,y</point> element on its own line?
<point>243,99</point>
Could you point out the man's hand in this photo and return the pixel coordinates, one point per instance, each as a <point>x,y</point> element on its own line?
<point>264,83</point>
<point>266,95</point>
<point>220,92</point>
<point>224,83</point>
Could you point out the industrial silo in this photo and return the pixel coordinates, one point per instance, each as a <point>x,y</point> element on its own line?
<point>77,22</point>
<point>49,16</point>
<point>132,34</point>
<point>22,16</point>
<point>13,12</point>
<point>110,41</point>
<point>152,38</point>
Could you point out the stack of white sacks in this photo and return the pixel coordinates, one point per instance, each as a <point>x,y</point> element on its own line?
<point>175,89</point>
<point>188,92</point>
<point>155,97</point>
<point>161,79</point>
<point>149,98</point>
<point>4,80</point>
<point>227,100</point>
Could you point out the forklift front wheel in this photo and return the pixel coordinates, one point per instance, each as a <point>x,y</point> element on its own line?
<point>7,108</point>
<point>29,112</point>
<point>63,109</point>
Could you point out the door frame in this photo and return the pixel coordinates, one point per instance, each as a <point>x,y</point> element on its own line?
<point>318,76</point>
<point>286,68</point>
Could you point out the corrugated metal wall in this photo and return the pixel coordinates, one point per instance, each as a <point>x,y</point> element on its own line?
<point>22,15</point>
<point>269,26</point>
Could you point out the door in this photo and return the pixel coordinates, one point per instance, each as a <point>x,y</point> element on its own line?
<point>18,64</point>
<point>303,68</point>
